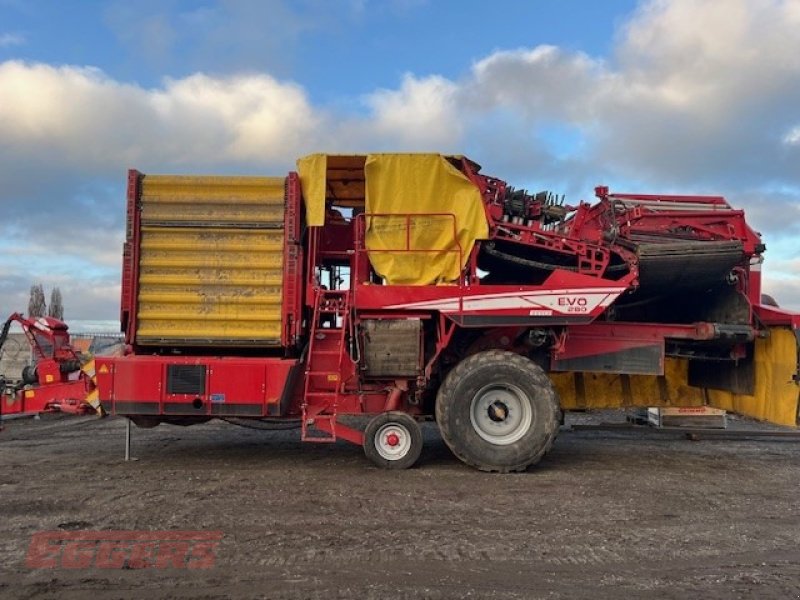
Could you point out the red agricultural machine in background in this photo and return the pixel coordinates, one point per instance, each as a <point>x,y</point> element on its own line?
<point>59,378</point>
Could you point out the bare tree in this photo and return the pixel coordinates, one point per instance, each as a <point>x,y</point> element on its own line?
<point>37,307</point>
<point>56,308</point>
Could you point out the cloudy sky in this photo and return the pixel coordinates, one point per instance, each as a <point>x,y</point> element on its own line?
<point>664,96</point>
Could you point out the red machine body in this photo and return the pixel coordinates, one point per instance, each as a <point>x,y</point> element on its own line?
<point>610,287</point>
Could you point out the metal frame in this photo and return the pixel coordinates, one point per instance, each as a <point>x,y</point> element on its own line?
<point>292,304</point>
<point>130,258</point>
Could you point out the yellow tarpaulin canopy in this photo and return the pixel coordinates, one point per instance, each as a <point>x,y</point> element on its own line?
<point>446,212</point>
<point>399,184</point>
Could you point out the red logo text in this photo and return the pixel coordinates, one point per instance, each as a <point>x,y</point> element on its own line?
<point>123,549</point>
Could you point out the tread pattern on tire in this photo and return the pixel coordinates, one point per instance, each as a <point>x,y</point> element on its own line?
<point>446,403</point>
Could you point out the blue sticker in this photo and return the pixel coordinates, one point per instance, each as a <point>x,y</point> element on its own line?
<point>217,398</point>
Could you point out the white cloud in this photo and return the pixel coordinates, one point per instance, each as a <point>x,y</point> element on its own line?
<point>78,115</point>
<point>785,290</point>
<point>676,104</point>
<point>697,91</point>
<point>541,83</point>
<point>11,39</point>
<point>421,112</point>
<point>792,137</point>
<point>245,118</point>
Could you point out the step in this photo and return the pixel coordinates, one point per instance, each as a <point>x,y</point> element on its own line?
<point>323,436</point>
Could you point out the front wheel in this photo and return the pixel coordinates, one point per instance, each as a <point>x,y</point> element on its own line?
<point>498,411</point>
<point>393,440</point>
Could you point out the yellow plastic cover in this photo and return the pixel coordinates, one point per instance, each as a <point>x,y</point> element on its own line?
<point>399,184</point>
<point>775,399</point>
<point>776,395</point>
<point>210,260</point>
<point>606,390</point>
<point>312,170</point>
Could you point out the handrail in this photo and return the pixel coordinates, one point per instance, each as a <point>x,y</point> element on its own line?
<point>359,239</point>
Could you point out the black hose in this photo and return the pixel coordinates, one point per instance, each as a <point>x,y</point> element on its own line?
<point>266,425</point>
<point>4,333</point>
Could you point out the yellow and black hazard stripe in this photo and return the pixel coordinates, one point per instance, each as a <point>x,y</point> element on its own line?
<point>92,397</point>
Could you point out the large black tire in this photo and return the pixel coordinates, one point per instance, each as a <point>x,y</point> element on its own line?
<point>393,440</point>
<point>498,411</point>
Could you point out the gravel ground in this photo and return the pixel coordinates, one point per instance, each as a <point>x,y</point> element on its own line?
<point>605,515</point>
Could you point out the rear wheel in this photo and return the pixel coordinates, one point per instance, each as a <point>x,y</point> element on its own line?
<point>145,421</point>
<point>498,411</point>
<point>393,440</point>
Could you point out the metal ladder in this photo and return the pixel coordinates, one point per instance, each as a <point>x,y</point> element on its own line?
<point>319,405</point>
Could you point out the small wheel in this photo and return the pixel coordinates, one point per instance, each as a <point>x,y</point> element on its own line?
<point>498,411</point>
<point>393,440</point>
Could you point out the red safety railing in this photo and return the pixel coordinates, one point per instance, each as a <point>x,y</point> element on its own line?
<point>362,263</point>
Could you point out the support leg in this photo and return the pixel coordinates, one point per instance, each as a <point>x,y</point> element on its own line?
<point>127,439</point>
